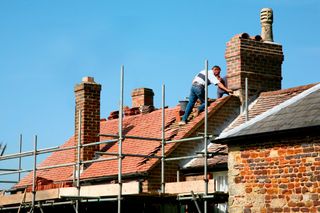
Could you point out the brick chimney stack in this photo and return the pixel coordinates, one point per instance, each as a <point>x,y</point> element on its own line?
<point>87,95</point>
<point>255,59</point>
<point>142,97</point>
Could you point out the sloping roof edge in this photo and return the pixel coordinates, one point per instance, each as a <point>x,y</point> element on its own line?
<point>269,112</point>
<point>310,130</point>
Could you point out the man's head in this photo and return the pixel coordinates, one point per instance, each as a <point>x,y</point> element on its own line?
<point>216,70</point>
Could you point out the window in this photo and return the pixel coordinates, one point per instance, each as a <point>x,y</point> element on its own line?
<point>221,181</point>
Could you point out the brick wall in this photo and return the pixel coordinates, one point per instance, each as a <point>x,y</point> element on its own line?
<point>88,101</point>
<point>259,61</point>
<point>142,97</point>
<point>275,175</point>
<point>153,184</point>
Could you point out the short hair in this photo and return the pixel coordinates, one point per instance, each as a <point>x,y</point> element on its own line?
<point>216,66</point>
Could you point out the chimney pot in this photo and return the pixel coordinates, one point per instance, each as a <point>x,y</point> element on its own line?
<point>258,61</point>
<point>88,79</point>
<point>258,38</point>
<point>245,36</point>
<point>266,19</point>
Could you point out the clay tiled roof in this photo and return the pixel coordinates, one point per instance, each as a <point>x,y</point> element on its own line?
<point>268,100</point>
<point>301,111</point>
<point>185,131</point>
<point>220,157</point>
<point>57,174</point>
<point>144,125</point>
<point>148,125</point>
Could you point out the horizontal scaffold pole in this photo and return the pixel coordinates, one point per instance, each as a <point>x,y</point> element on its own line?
<point>129,155</point>
<point>14,172</point>
<point>184,157</point>
<point>56,166</point>
<point>8,181</point>
<point>99,160</point>
<point>51,149</point>
<point>131,137</point>
<point>185,139</point>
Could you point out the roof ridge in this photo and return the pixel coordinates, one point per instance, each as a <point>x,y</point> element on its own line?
<point>271,111</point>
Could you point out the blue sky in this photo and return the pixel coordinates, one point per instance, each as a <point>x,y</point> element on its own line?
<point>46,47</point>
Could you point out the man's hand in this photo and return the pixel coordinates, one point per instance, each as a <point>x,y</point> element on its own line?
<point>221,86</point>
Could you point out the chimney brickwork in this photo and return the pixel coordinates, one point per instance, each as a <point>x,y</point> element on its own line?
<point>142,97</point>
<point>87,95</point>
<point>259,61</point>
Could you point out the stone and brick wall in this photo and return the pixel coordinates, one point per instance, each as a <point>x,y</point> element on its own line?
<point>275,175</point>
<point>259,61</point>
<point>88,101</point>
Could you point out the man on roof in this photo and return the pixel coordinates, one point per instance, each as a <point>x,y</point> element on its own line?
<point>198,90</point>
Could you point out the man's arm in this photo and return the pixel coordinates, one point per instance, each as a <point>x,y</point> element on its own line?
<point>221,86</point>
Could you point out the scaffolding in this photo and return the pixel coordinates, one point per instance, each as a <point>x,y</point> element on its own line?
<point>76,200</point>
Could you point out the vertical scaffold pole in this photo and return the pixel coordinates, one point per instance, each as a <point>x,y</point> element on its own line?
<point>206,138</point>
<point>34,174</point>
<point>246,99</point>
<point>78,159</point>
<point>19,164</point>
<point>162,140</point>
<point>120,140</point>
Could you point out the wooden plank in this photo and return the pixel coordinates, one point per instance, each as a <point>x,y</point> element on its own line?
<point>110,189</point>
<point>102,190</point>
<point>131,188</point>
<point>99,190</point>
<point>69,191</point>
<point>87,191</point>
<point>40,195</point>
<point>186,187</point>
<point>12,199</point>
<point>47,194</point>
